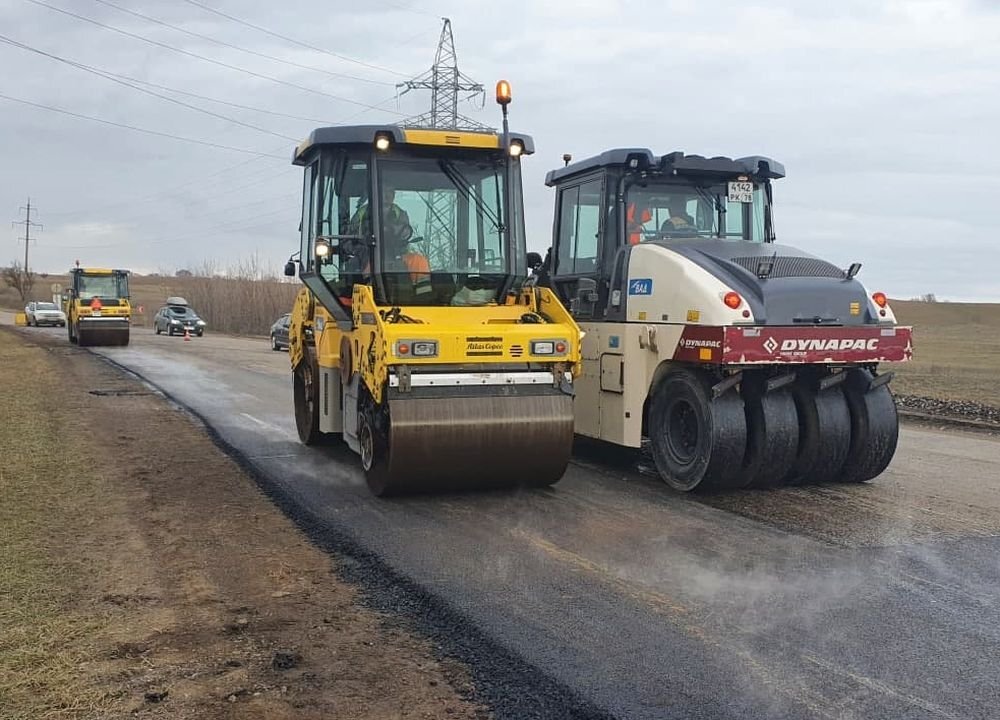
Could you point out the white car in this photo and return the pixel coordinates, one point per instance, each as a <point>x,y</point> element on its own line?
<point>44,313</point>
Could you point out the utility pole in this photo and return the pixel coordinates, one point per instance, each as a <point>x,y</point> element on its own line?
<point>28,224</point>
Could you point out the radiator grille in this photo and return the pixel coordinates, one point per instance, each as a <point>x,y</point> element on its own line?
<point>785,267</point>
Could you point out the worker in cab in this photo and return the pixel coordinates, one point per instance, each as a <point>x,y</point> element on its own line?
<point>679,221</point>
<point>637,215</point>
<point>397,234</point>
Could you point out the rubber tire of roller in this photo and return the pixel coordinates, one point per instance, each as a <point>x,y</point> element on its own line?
<point>377,470</point>
<point>824,435</point>
<point>306,417</point>
<point>772,433</point>
<point>874,428</point>
<point>682,401</point>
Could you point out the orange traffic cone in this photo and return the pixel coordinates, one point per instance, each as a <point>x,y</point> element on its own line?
<point>187,335</point>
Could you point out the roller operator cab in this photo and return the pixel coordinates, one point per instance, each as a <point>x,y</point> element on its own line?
<point>417,339</point>
<point>97,307</point>
<point>743,362</point>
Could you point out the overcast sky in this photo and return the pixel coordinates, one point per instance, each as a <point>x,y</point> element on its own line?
<point>884,113</point>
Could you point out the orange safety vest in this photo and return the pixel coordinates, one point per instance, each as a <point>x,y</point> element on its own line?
<point>635,228</point>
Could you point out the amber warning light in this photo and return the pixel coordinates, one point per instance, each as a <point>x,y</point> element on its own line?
<point>503,92</point>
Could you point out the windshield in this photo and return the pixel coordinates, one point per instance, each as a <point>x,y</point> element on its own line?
<point>441,230</point>
<point>45,306</point>
<point>102,286</point>
<point>182,311</point>
<point>664,211</point>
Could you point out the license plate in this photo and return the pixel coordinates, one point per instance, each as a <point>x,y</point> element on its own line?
<point>96,313</point>
<point>741,192</point>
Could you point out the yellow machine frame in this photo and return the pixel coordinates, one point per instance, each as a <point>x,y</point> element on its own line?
<point>89,324</point>
<point>485,408</point>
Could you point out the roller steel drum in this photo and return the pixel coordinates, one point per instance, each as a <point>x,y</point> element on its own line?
<point>498,437</point>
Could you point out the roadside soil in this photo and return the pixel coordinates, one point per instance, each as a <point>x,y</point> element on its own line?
<point>143,575</point>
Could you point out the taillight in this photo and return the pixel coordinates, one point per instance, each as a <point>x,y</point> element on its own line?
<point>732,299</point>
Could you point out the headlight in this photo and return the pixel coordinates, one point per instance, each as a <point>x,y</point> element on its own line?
<point>415,348</point>
<point>175,322</point>
<point>201,322</point>
<point>549,347</point>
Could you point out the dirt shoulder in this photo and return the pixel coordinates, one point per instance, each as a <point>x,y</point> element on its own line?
<point>144,575</point>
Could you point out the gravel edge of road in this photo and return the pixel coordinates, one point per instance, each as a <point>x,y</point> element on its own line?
<point>963,415</point>
<point>508,685</point>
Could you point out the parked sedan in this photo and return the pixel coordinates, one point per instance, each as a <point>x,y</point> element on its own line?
<point>279,332</point>
<point>44,313</point>
<point>178,319</point>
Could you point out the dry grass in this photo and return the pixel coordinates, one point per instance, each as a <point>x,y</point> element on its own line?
<point>44,637</point>
<point>136,584</point>
<point>956,349</point>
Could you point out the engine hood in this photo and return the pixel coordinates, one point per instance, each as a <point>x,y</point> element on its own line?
<point>801,289</point>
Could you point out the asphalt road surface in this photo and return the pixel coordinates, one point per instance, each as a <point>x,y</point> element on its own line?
<point>871,601</point>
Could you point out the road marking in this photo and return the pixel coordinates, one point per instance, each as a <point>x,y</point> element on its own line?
<point>269,426</point>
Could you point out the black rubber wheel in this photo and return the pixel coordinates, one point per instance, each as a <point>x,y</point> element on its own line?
<point>156,329</point>
<point>200,333</point>
<point>772,433</point>
<point>824,434</point>
<point>373,433</point>
<point>274,343</point>
<point>305,395</point>
<point>697,442</point>
<point>69,333</point>
<point>874,427</point>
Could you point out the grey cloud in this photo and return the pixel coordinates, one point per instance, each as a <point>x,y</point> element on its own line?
<point>882,113</point>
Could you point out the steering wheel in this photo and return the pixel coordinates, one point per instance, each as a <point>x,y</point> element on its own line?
<point>686,231</point>
<point>475,282</point>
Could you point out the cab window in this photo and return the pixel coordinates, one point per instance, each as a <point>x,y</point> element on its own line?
<point>579,228</point>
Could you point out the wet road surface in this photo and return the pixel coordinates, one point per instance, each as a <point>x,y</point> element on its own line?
<point>878,600</point>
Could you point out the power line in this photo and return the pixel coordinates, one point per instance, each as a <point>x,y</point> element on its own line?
<point>136,129</point>
<point>217,100</point>
<point>169,191</point>
<point>202,57</point>
<point>292,40</point>
<point>241,49</point>
<point>108,76</point>
<point>230,209</point>
<point>158,195</point>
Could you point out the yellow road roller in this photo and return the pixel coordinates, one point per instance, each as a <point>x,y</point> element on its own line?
<point>418,339</point>
<point>98,311</point>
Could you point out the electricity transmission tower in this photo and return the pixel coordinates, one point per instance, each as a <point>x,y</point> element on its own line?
<point>446,82</point>
<point>28,224</point>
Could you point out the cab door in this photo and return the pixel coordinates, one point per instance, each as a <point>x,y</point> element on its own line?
<point>578,243</point>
